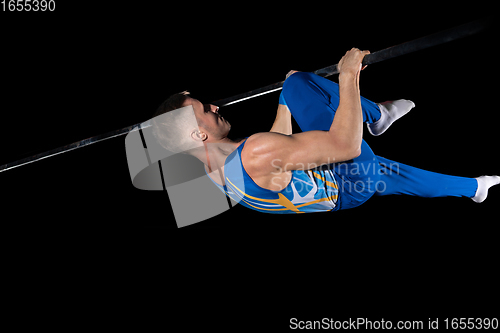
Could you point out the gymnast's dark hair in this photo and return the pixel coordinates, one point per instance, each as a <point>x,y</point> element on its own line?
<point>174,102</point>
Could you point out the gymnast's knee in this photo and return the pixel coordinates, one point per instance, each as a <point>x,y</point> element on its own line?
<point>302,84</point>
<point>297,80</point>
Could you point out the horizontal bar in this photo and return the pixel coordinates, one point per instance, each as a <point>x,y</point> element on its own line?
<point>385,54</point>
<point>421,43</point>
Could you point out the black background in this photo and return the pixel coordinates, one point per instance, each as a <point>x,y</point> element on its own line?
<point>89,68</point>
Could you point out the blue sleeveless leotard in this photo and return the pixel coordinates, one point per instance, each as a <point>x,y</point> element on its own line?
<point>308,191</point>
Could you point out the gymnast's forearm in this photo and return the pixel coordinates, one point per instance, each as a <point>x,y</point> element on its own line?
<point>347,125</point>
<point>283,122</point>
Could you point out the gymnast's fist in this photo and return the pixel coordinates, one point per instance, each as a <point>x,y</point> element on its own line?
<point>290,73</point>
<point>351,61</point>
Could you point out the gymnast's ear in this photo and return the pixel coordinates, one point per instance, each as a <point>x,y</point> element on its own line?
<point>199,136</point>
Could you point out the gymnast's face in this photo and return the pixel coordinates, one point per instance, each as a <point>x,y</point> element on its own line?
<point>209,120</point>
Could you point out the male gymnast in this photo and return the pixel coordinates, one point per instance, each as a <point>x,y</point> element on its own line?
<point>326,167</point>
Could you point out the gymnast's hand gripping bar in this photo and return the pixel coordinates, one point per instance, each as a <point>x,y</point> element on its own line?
<point>442,37</point>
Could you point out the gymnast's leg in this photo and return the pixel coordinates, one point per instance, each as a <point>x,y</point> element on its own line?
<point>399,178</point>
<point>312,100</point>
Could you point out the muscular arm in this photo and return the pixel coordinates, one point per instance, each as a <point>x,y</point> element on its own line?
<point>267,153</point>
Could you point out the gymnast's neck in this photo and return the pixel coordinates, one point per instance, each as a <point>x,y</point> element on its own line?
<point>214,154</point>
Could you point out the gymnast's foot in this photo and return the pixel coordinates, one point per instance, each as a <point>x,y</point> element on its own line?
<point>390,112</point>
<point>483,185</point>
